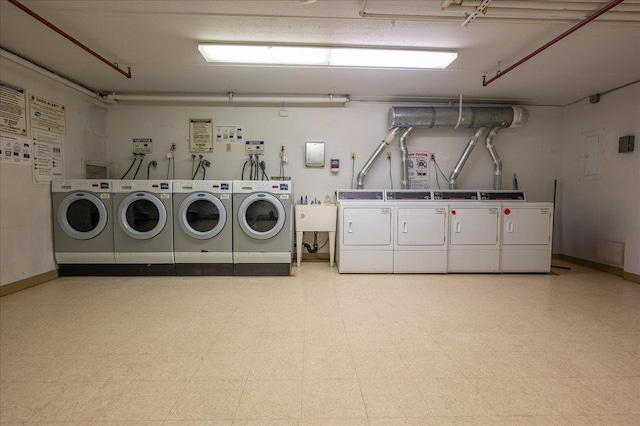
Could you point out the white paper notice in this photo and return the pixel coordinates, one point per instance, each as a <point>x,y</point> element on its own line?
<point>47,157</point>
<point>13,118</point>
<point>47,115</point>
<point>200,135</point>
<point>15,149</point>
<point>419,170</point>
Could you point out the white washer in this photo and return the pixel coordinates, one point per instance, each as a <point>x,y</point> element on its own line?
<point>420,244</point>
<point>526,232</point>
<point>143,228</point>
<point>474,238</point>
<point>365,232</point>
<point>202,227</point>
<point>262,227</point>
<point>83,227</point>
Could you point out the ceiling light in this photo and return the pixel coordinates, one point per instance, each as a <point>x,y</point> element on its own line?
<point>359,57</point>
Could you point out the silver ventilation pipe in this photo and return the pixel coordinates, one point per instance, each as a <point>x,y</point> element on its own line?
<point>497,174</point>
<point>453,178</point>
<point>405,157</point>
<point>374,157</point>
<point>450,117</point>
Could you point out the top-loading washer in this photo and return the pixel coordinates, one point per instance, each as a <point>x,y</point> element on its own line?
<point>365,232</point>
<point>143,227</point>
<point>420,242</point>
<point>202,228</point>
<point>262,227</point>
<point>83,227</point>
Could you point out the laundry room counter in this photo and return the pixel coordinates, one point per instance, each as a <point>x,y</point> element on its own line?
<point>316,218</point>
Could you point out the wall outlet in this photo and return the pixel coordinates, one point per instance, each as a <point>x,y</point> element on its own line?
<point>353,155</point>
<point>173,147</point>
<point>389,155</point>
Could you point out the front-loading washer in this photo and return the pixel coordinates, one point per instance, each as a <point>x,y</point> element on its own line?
<point>143,227</point>
<point>365,232</point>
<point>202,227</point>
<point>83,227</point>
<point>262,227</point>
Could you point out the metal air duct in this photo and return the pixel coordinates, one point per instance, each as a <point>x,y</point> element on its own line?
<point>447,117</point>
<point>404,155</point>
<point>376,154</point>
<point>497,174</point>
<point>453,178</point>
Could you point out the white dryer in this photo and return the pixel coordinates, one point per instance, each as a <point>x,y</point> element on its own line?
<point>474,238</point>
<point>420,244</point>
<point>365,232</point>
<point>143,228</point>
<point>526,232</point>
<point>262,227</point>
<point>202,227</point>
<point>83,227</point>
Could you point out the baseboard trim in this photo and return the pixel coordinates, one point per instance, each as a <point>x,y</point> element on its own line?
<point>635,278</point>
<point>28,282</point>
<point>600,267</point>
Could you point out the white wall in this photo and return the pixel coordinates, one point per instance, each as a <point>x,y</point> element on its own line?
<point>532,151</point>
<point>26,241</point>
<point>607,208</point>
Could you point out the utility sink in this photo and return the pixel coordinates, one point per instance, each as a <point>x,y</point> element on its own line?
<point>319,218</point>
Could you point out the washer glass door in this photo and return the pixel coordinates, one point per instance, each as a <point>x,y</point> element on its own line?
<point>142,215</point>
<point>261,216</point>
<point>202,215</point>
<point>82,215</point>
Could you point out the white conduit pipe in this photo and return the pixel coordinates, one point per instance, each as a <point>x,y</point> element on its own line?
<point>497,174</point>
<point>42,71</point>
<point>453,178</point>
<point>404,157</point>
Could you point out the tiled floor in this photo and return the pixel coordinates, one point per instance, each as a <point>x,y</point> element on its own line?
<point>322,348</point>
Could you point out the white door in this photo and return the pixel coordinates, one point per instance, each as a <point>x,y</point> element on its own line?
<point>473,225</point>
<point>421,226</point>
<point>142,216</point>
<point>526,226</point>
<point>261,216</point>
<point>202,215</point>
<point>82,215</point>
<point>366,226</point>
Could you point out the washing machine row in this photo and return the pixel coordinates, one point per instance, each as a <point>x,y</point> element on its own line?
<point>412,231</point>
<point>105,227</point>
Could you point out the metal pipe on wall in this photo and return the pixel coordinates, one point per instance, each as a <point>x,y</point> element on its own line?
<point>374,157</point>
<point>453,178</point>
<point>497,173</point>
<point>447,117</point>
<point>404,157</point>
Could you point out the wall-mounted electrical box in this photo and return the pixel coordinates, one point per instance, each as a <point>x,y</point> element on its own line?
<point>254,147</point>
<point>335,165</point>
<point>626,143</point>
<point>142,145</point>
<point>314,154</point>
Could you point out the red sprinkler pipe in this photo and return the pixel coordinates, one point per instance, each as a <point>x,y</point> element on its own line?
<point>71,39</point>
<point>590,18</point>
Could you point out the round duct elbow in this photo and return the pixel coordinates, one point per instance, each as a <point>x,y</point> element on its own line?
<point>520,117</point>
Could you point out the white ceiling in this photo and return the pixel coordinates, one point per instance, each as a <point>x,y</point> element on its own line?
<point>159,39</point>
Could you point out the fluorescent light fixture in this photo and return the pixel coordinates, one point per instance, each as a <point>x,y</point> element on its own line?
<point>359,57</point>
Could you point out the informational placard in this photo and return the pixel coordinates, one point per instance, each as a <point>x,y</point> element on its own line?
<point>47,115</point>
<point>47,156</point>
<point>254,147</point>
<point>200,135</point>
<point>142,145</point>
<point>228,134</point>
<point>419,170</point>
<point>15,149</point>
<point>13,109</point>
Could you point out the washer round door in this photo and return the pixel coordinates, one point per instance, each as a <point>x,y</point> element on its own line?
<point>82,215</point>
<point>261,216</point>
<point>202,215</point>
<point>142,215</point>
